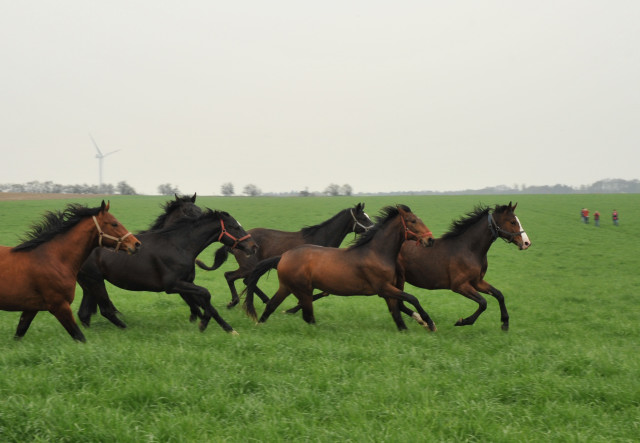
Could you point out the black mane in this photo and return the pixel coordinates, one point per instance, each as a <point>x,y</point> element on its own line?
<point>168,208</point>
<point>386,214</point>
<point>460,226</point>
<point>55,223</point>
<point>207,214</point>
<point>310,231</point>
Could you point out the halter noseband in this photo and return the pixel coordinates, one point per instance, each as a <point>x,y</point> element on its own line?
<point>407,231</point>
<point>224,232</point>
<point>356,222</point>
<point>497,230</point>
<point>102,235</point>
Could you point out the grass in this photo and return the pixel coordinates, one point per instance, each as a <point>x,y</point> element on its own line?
<point>566,371</point>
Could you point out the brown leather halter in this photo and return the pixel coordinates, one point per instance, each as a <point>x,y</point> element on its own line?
<point>407,231</point>
<point>224,232</point>
<point>102,235</point>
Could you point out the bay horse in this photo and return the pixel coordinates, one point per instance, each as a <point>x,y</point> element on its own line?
<point>458,260</point>
<point>272,242</point>
<point>40,273</point>
<point>366,268</point>
<point>165,264</point>
<point>173,210</point>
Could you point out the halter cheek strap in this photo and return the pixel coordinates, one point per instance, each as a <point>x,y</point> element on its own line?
<point>223,232</point>
<point>497,230</point>
<point>407,231</point>
<point>357,223</point>
<point>101,234</point>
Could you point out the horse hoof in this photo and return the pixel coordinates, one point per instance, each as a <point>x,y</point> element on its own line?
<point>233,332</point>
<point>232,304</point>
<point>433,328</point>
<point>505,327</point>
<point>459,323</point>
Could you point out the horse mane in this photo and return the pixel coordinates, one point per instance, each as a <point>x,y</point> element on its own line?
<point>168,208</point>
<point>310,231</point>
<point>207,214</point>
<point>386,214</point>
<point>55,223</point>
<point>460,226</point>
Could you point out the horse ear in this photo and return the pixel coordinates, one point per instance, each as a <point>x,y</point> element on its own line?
<point>176,196</point>
<point>105,207</point>
<point>193,199</point>
<point>514,207</point>
<point>401,211</point>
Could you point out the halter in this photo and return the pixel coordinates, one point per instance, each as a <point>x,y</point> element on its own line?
<point>101,234</point>
<point>407,231</point>
<point>224,232</point>
<point>497,230</point>
<point>356,222</point>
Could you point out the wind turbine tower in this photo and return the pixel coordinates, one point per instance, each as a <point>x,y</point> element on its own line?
<point>100,156</point>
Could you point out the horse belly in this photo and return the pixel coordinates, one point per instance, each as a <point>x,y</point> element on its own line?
<point>18,284</point>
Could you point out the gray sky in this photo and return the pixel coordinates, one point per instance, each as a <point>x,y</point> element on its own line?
<point>288,95</point>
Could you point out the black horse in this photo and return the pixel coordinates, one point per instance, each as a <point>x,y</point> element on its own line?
<point>165,264</point>
<point>272,242</point>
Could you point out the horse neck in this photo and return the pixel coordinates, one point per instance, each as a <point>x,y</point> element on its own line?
<point>478,237</point>
<point>333,232</point>
<point>195,238</point>
<point>74,246</point>
<point>388,241</point>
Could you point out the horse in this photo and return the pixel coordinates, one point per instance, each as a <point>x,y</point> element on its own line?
<point>40,273</point>
<point>458,260</point>
<point>272,242</point>
<point>366,268</point>
<point>165,264</point>
<point>173,210</point>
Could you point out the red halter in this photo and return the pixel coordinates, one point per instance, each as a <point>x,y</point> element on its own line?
<point>418,236</point>
<point>224,232</point>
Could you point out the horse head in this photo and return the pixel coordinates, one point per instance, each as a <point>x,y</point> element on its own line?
<point>109,228</point>
<point>414,227</point>
<point>504,224</point>
<point>233,235</point>
<point>361,221</point>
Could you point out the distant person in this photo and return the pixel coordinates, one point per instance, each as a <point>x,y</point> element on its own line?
<point>585,215</point>
<point>596,218</point>
<point>615,217</point>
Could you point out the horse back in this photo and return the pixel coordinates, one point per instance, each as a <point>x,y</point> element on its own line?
<point>272,242</point>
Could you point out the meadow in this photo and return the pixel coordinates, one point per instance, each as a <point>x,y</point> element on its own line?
<point>567,370</point>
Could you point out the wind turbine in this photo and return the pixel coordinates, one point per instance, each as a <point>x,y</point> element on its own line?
<point>100,156</point>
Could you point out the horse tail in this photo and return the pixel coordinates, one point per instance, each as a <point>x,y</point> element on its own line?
<point>221,256</point>
<point>252,281</point>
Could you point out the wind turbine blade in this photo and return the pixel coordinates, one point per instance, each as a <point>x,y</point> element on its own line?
<point>96,145</point>
<point>112,152</point>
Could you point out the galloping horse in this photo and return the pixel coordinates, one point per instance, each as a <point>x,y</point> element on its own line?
<point>173,210</point>
<point>366,268</point>
<point>40,273</point>
<point>165,264</point>
<point>272,243</point>
<point>458,260</point>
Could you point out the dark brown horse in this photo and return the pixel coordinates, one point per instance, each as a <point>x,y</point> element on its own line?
<point>458,260</point>
<point>272,242</point>
<point>40,273</point>
<point>366,268</point>
<point>165,264</point>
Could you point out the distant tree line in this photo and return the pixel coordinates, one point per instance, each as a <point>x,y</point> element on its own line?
<point>48,187</point>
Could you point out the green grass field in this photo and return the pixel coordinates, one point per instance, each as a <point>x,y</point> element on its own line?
<point>566,371</point>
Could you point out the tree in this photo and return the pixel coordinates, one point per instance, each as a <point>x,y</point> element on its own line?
<point>124,189</point>
<point>346,190</point>
<point>332,190</point>
<point>168,189</point>
<point>251,190</point>
<point>227,189</point>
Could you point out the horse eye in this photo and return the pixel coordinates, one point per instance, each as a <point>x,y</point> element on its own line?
<point>114,224</point>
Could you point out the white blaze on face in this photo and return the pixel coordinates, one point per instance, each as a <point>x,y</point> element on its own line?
<point>525,238</point>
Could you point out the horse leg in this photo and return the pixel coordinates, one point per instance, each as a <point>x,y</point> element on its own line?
<point>64,315</point>
<point>297,307</point>
<point>305,300</point>
<point>231,277</point>
<point>392,304</point>
<point>193,307</point>
<point>414,315</point>
<point>203,297</point>
<point>406,297</point>
<point>504,315</point>
<point>94,295</point>
<point>470,292</point>
<point>273,304</point>
<point>25,321</point>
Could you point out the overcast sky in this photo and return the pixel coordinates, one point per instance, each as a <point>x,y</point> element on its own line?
<point>293,95</point>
